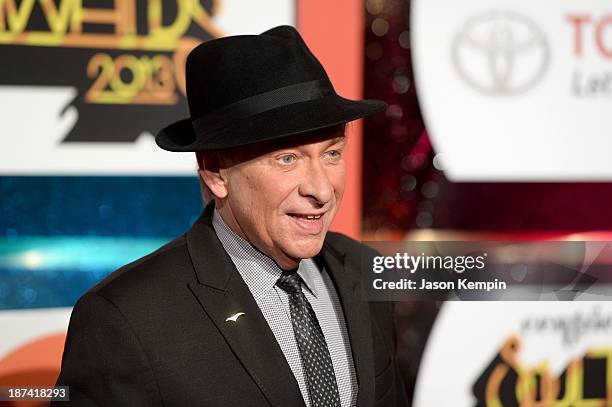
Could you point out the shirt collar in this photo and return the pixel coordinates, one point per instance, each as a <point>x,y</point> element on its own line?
<point>259,271</point>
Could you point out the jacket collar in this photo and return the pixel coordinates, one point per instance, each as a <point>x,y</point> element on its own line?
<point>222,292</point>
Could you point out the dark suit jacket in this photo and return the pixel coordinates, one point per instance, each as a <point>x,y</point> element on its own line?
<point>153,333</point>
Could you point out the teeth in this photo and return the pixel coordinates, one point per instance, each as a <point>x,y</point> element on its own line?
<point>309,217</point>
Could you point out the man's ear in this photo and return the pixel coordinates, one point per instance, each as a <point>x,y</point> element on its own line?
<point>210,173</point>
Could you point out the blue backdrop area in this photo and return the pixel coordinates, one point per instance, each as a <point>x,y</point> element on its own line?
<point>60,235</point>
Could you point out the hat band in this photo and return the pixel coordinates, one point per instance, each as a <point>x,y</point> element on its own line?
<point>299,92</point>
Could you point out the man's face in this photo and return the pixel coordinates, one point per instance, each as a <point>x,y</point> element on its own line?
<point>283,198</point>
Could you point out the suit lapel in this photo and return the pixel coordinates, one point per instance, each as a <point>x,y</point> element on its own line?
<point>357,317</point>
<point>222,292</point>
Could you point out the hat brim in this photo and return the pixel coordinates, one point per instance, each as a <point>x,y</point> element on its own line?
<point>273,124</point>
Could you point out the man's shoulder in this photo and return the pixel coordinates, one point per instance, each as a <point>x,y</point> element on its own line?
<point>146,275</point>
<point>347,246</point>
<point>359,254</point>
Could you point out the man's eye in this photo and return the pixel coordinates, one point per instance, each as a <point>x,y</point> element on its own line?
<point>333,154</point>
<point>287,159</point>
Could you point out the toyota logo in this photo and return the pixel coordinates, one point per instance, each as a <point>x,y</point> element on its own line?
<point>500,53</point>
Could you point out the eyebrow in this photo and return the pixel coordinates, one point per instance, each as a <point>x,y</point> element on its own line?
<point>336,140</point>
<point>333,141</point>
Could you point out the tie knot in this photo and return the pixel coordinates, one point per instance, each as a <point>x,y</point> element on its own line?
<point>290,282</point>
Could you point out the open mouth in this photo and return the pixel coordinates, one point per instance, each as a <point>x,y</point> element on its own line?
<point>308,223</point>
<point>305,217</point>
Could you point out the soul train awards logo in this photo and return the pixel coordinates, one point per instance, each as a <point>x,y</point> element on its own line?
<point>500,53</point>
<point>125,58</point>
<point>585,382</point>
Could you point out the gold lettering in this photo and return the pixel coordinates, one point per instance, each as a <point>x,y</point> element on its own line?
<point>530,379</point>
<point>187,11</point>
<point>493,384</point>
<point>17,18</point>
<point>204,19</point>
<point>605,353</point>
<point>152,80</point>
<point>58,19</point>
<point>122,16</point>
<point>528,383</point>
<point>157,31</point>
<point>66,18</point>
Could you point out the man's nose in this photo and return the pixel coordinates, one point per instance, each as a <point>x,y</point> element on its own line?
<point>316,183</point>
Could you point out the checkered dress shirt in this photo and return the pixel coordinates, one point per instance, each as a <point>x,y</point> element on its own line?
<point>260,274</point>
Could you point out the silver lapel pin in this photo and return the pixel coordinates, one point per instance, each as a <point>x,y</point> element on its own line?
<point>234,317</point>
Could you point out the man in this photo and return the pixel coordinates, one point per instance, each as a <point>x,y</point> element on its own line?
<point>257,305</point>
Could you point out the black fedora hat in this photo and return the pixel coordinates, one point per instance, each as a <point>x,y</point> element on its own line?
<point>249,88</point>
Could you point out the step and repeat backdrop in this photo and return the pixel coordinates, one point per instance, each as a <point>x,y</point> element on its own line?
<point>498,122</point>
